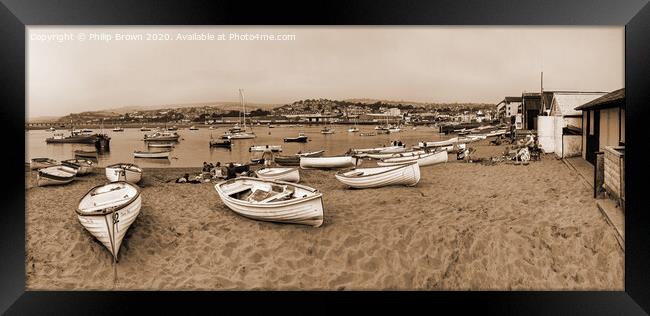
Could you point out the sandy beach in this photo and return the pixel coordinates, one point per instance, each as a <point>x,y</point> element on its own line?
<point>465,226</point>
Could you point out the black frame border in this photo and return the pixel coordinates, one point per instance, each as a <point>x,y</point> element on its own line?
<point>15,15</point>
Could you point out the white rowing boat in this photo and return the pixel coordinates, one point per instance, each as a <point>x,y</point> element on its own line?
<point>362,178</point>
<point>423,160</point>
<point>38,163</point>
<point>124,172</point>
<point>281,174</point>
<point>329,162</point>
<point>151,154</point>
<point>317,153</point>
<point>274,201</point>
<point>378,150</point>
<point>392,155</point>
<point>83,166</point>
<point>55,175</point>
<point>160,145</point>
<point>273,148</point>
<point>107,211</point>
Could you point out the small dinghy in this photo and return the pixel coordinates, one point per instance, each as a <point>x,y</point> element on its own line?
<point>39,163</point>
<point>273,148</point>
<point>273,201</point>
<point>329,162</point>
<point>124,172</point>
<point>280,174</point>
<point>160,145</point>
<point>287,160</point>
<point>86,154</point>
<point>423,160</point>
<point>224,144</point>
<point>55,175</point>
<point>83,166</point>
<point>151,154</point>
<point>107,211</point>
<point>380,150</point>
<point>363,178</point>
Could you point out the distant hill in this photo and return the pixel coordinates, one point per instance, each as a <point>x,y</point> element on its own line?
<point>226,106</point>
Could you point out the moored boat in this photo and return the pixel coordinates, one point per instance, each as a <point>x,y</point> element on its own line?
<point>39,163</point>
<point>329,162</point>
<point>162,136</point>
<point>151,154</point>
<point>86,153</point>
<point>317,153</point>
<point>425,159</point>
<point>224,144</point>
<point>145,129</point>
<point>83,166</point>
<point>160,145</point>
<point>375,177</point>
<point>118,129</point>
<point>194,128</point>
<point>327,130</point>
<point>280,174</point>
<point>273,148</point>
<point>274,201</point>
<point>124,172</point>
<point>107,211</point>
<point>302,138</point>
<point>55,175</point>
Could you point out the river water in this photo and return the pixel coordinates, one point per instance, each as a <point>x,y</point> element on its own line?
<point>193,146</point>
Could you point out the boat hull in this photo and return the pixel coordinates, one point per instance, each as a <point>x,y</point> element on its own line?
<point>405,174</point>
<point>158,155</point>
<point>305,211</point>
<point>328,162</point>
<point>109,228</point>
<point>55,175</point>
<point>391,155</point>
<point>116,173</point>
<point>82,166</point>
<point>295,139</point>
<point>423,160</point>
<point>280,174</point>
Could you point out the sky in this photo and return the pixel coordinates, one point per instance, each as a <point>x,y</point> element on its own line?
<point>75,69</point>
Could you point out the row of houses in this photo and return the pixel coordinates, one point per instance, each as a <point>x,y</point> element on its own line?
<point>590,125</point>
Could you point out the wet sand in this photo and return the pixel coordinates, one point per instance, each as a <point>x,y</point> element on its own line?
<point>465,226</point>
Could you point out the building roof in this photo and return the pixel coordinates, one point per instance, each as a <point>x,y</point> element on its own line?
<point>513,99</point>
<point>564,103</point>
<point>611,99</point>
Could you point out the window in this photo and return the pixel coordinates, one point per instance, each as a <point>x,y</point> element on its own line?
<point>591,122</point>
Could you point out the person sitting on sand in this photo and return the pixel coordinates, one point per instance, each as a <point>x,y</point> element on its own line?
<point>231,172</point>
<point>205,167</point>
<point>183,179</point>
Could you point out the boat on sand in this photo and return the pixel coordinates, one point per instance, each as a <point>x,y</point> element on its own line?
<point>107,211</point>
<point>38,163</point>
<point>124,172</point>
<point>281,174</point>
<point>83,166</point>
<point>426,159</point>
<point>363,178</point>
<point>329,162</point>
<point>55,175</point>
<point>273,201</point>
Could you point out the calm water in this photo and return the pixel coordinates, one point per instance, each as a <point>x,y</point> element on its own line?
<point>193,147</point>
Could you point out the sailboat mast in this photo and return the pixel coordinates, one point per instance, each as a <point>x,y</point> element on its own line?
<point>243,104</point>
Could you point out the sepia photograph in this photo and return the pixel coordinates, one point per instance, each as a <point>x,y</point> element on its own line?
<point>463,158</point>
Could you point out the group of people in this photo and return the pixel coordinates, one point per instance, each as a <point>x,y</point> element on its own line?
<point>209,172</point>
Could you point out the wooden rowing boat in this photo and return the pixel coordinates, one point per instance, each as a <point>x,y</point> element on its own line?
<point>274,201</point>
<point>152,154</point>
<point>55,175</point>
<point>281,174</point>
<point>426,159</point>
<point>83,166</point>
<point>363,178</point>
<point>107,211</point>
<point>124,172</point>
<point>329,162</point>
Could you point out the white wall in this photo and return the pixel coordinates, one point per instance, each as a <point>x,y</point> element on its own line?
<point>546,133</point>
<point>609,125</point>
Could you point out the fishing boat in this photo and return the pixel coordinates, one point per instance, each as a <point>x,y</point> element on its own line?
<point>329,162</point>
<point>160,145</point>
<point>39,163</point>
<point>124,172</point>
<point>263,148</point>
<point>302,138</point>
<point>162,136</point>
<point>280,174</point>
<point>224,144</point>
<point>426,159</point>
<point>240,135</point>
<point>353,130</point>
<point>76,137</point>
<point>145,129</point>
<point>83,166</point>
<point>118,129</point>
<point>394,155</point>
<point>273,201</point>
<point>107,211</point>
<point>363,178</point>
<point>86,153</point>
<point>55,175</point>
<point>152,154</point>
<point>194,128</point>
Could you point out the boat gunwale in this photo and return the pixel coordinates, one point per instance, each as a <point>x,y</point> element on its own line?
<point>396,166</point>
<point>277,174</point>
<point>112,209</point>
<point>317,194</point>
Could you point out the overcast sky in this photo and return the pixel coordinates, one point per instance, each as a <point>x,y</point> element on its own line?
<point>427,64</point>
